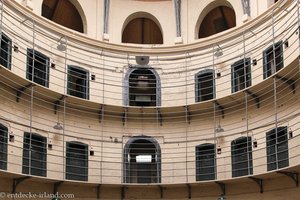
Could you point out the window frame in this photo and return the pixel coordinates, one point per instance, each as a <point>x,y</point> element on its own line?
<point>86,87</point>
<point>126,84</point>
<point>198,95</point>
<point>274,163</point>
<point>3,146</point>
<point>31,68</point>
<point>29,148</point>
<point>84,175</point>
<point>244,64</point>
<point>127,177</point>
<point>237,155</point>
<point>199,168</point>
<point>8,43</point>
<point>268,65</point>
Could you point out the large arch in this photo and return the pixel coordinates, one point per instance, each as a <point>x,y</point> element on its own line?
<point>67,13</point>
<point>155,92</point>
<point>217,16</point>
<point>142,28</point>
<point>142,160</point>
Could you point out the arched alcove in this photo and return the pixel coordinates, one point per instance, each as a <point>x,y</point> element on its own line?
<point>142,29</point>
<point>142,87</point>
<point>142,160</point>
<point>216,19</point>
<point>63,12</point>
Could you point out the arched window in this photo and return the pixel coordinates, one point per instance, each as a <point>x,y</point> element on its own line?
<point>205,162</point>
<point>142,31</point>
<point>277,148</point>
<point>217,20</point>
<point>64,13</point>
<point>142,87</point>
<point>77,161</point>
<point>273,59</point>
<point>241,156</point>
<point>37,67</point>
<point>34,154</point>
<point>241,75</point>
<point>205,85</point>
<point>3,147</point>
<point>142,160</point>
<point>5,51</point>
<point>78,82</point>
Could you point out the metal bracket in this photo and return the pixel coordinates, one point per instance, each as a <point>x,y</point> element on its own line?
<point>21,90</point>
<point>290,82</point>
<point>259,183</point>
<point>292,175</point>
<point>98,191</point>
<point>188,114</point>
<point>123,192</point>
<point>222,187</point>
<point>17,181</point>
<point>159,117</point>
<point>161,192</point>
<point>56,186</point>
<point>124,116</point>
<point>57,103</point>
<point>255,97</point>
<point>189,191</point>
<point>101,114</point>
<point>221,108</point>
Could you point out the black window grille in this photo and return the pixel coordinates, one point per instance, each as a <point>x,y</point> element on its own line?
<point>78,82</point>
<point>241,157</point>
<point>142,161</point>
<point>241,75</point>
<point>205,85</point>
<point>205,162</point>
<point>277,148</point>
<point>34,154</point>
<point>37,67</point>
<point>5,51</point>
<point>273,59</point>
<point>77,161</point>
<point>3,147</point>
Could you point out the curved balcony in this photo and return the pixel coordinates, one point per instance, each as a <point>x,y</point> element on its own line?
<point>223,117</point>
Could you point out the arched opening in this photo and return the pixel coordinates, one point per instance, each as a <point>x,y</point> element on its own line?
<point>142,31</point>
<point>64,13</point>
<point>217,20</point>
<point>77,161</point>
<point>205,85</point>
<point>142,160</point>
<point>205,162</point>
<point>142,87</point>
<point>277,148</point>
<point>241,156</point>
<point>34,154</point>
<point>3,146</point>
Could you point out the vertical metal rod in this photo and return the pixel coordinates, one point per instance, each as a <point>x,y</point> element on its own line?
<point>214,104</point>
<point>215,140</point>
<point>247,130</point>
<point>102,120</point>
<point>33,51</point>
<point>63,138</point>
<point>31,99</point>
<point>186,119</point>
<point>64,110</point>
<point>276,120</point>
<point>30,134</point>
<point>275,86</point>
<point>246,102</point>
